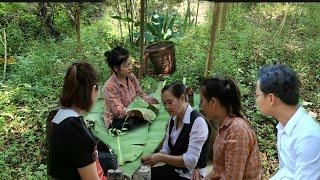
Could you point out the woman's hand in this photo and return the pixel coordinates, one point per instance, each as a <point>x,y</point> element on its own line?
<point>196,175</point>
<point>152,159</point>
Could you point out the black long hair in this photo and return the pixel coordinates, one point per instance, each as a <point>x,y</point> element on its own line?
<point>77,87</point>
<point>177,89</point>
<point>116,57</point>
<point>226,91</point>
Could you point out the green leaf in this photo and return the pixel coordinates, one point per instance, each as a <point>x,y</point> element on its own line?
<point>149,37</point>
<point>138,102</point>
<point>165,22</point>
<point>171,22</point>
<point>116,17</point>
<point>168,34</point>
<point>130,146</point>
<point>147,114</point>
<point>97,111</point>
<point>152,29</point>
<point>127,19</point>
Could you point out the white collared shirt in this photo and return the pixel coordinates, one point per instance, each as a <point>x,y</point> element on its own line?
<point>198,136</point>
<point>64,113</point>
<point>298,145</point>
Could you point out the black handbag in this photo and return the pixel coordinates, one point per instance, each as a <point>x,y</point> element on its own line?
<point>107,158</point>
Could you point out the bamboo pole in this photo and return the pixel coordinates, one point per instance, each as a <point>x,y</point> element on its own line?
<point>224,15</point>
<point>119,13</point>
<point>196,22</point>
<point>128,23</point>
<point>141,34</point>
<point>4,42</point>
<point>77,24</point>
<point>213,38</point>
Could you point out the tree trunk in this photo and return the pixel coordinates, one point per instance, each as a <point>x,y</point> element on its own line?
<point>119,13</point>
<point>131,15</point>
<point>46,15</point>
<point>77,24</point>
<point>129,27</point>
<point>43,14</point>
<point>196,22</point>
<point>224,15</point>
<point>186,17</point>
<point>141,34</point>
<point>4,42</point>
<point>213,38</point>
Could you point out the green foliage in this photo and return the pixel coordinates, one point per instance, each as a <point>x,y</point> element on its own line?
<point>35,80</point>
<point>160,28</point>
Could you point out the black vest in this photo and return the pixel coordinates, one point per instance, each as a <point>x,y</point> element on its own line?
<point>181,145</point>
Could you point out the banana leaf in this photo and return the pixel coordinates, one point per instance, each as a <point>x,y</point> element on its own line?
<point>146,114</point>
<point>132,145</point>
<point>142,109</point>
<point>97,111</point>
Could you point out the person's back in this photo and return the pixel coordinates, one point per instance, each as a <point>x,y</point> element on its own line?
<point>67,141</point>
<point>72,149</point>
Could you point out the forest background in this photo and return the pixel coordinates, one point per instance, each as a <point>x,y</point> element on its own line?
<point>40,40</point>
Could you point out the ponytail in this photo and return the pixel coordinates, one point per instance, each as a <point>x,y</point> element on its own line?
<point>226,91</point>
<point>116,57</point>
<point>77,87</point>
<point>234,94</point>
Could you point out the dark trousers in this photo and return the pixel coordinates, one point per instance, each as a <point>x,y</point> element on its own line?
<point>129,123</point>
<point>165,172</point>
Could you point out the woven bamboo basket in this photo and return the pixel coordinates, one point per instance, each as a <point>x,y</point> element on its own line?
<point>162,57</point>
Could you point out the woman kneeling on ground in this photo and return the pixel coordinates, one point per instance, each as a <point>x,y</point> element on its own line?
<point>186,144</point>
<point>235,150</point>
<point>72,148</point>
<point>121,89</point>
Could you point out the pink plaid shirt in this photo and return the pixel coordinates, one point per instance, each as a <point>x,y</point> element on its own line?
<point>118,96</point>
<point>236,152</point>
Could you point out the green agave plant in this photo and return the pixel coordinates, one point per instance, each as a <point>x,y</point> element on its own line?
<point>160,28</point>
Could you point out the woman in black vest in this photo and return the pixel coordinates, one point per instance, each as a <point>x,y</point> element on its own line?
<point>186,144</point>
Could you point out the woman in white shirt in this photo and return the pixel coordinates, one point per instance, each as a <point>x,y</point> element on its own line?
<point>186,145</point>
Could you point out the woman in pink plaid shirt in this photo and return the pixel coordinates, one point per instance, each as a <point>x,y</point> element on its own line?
<point>121,89</point>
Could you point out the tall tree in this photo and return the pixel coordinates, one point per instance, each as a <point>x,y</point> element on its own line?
<point>46,14</point>
<point>119,13</point>
<point>142,9</point>
<point>74,12</point>
<point>131,16</point>
<point>187,16</point>
<point>128,23</point>
<point>214,35</point>
<point>224,15</point>
<point>77,24</point>
<point>195,23</point>
<point>4,42</point>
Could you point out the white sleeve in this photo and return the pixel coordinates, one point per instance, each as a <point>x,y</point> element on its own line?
<point>165,148</point>
<point>308,158</point>
<point>198,136</point>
